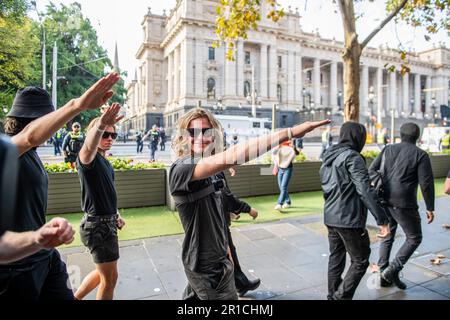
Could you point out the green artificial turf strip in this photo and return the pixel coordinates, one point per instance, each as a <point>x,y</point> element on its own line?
<point>160,221</point>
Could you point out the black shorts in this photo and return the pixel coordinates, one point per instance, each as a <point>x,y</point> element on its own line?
<point>100,237</point>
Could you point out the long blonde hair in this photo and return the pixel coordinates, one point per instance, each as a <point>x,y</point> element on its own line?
<point>181,143</point>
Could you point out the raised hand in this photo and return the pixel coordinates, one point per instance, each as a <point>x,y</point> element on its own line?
<point>302,129</point>
<point>253,213</point>
<point>98,94</point>
<point>109,117</point>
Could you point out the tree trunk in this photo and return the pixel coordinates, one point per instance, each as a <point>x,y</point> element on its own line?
<point>351,82</point>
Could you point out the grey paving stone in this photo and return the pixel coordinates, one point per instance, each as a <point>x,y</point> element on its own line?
<point>440,285</point>
<point>137,280</point>
<point>258,234</point>
<point>417,274</point>
<point>133,253</point>
<point>284,229</point>
<point>415,293</point>
<point>174,283</point>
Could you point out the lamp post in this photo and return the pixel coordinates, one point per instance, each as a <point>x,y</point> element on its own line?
<point>340,100</point>
<point>371,98</point>
<point>304,93</point>
<point>433,106</point>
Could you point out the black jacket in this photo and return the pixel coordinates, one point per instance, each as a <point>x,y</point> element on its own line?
<point>347,190</point>
<point>406,166</point>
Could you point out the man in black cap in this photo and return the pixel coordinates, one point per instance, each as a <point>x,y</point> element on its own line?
<point>405,167</point>
<point>348,194</point>
<point>31,122</point>
<point>72,144</point>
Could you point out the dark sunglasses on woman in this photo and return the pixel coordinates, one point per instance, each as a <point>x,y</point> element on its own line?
<point>194,132</point>
<point>107,134</point>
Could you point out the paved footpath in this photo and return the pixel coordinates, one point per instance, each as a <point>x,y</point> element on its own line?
<point>290,256</point>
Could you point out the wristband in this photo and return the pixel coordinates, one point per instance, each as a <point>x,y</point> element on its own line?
<point>290,133</point>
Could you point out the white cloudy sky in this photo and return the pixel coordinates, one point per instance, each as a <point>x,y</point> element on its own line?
<point>119,20</point>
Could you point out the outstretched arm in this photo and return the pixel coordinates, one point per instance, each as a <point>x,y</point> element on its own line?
<point>40,130</point>
<point>108,119</point>
<point>209,166</point>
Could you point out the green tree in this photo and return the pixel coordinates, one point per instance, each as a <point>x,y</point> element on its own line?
<point>81,59</point>
<point>18,49</point>
<point>237,17</point>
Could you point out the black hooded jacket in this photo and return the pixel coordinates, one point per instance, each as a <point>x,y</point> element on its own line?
<point>406,166</point>
<point>346,184</point>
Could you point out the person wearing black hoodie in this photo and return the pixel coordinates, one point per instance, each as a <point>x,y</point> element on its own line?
<point>406,166</point>
<point>348,194</point>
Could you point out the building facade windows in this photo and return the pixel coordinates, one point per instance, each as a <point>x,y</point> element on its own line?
<point>279,93</point>
<point>247,57</point>
<point>211,54</point>
<point>280,62</point>
<point>247,88</point>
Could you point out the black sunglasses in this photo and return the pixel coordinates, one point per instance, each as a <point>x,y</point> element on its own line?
<point>107,134</point>
<point>194,132</point>
<point>76,126</point>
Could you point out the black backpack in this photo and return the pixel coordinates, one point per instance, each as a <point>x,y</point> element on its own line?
<point>377,179</point>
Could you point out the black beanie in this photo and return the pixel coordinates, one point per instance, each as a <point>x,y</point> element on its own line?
<point>410,132</point>
<point>31,102</point>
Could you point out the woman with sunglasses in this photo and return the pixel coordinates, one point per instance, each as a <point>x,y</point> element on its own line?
<point>196,186</point>
<point>98,229</point>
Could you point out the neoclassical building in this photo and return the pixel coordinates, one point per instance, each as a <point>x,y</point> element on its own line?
<point>279,64</point>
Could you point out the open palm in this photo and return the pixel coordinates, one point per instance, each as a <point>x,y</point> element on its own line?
<point>110,116</point>
<point>99,93</point>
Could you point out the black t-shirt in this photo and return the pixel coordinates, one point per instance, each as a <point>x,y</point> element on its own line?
<point>31,205</point>
<point>204,223</point>
<point>98,194</point>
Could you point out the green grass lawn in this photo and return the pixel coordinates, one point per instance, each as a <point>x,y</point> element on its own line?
<point>160,221</point>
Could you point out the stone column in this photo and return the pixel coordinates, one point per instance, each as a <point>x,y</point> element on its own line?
<point>199,67</point>
<point>176,71</point>
<point>428,95</point>
<point>187,68</point>
<point>379,97</point>
<point>316,82</point>
<point>230,78</point>
<point>290,77</point>
<point>298,89</point>
<point>393,91</point>
<point>406,103</point>
<point>333,86</point>
<point>264,72</point>
<point>364,102</point>
<point>417,95</point>
<point>170,78</point>
<point>240,68</point>
<point>273,72</point>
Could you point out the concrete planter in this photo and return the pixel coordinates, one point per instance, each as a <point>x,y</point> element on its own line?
<point>440,164</point>
<point>135,189</point>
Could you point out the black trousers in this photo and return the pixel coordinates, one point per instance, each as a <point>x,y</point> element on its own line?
<point>409,220</point>
<point>240,279</point>
<point>356,243</point>
<point>213,283</point>
<point>43,280</point>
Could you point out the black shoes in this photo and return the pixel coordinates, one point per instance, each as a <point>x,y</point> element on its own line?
<point>391,276</point>
<point>250,286</point>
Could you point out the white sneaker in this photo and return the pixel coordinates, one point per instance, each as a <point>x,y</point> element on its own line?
<point>286,206</point>
<point>278,207</point>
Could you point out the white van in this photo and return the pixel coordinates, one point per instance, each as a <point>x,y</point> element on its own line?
<point>244,127</point>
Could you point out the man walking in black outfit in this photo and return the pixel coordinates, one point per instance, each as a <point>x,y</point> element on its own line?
<point>348,194</point>
<point>406,166</point>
